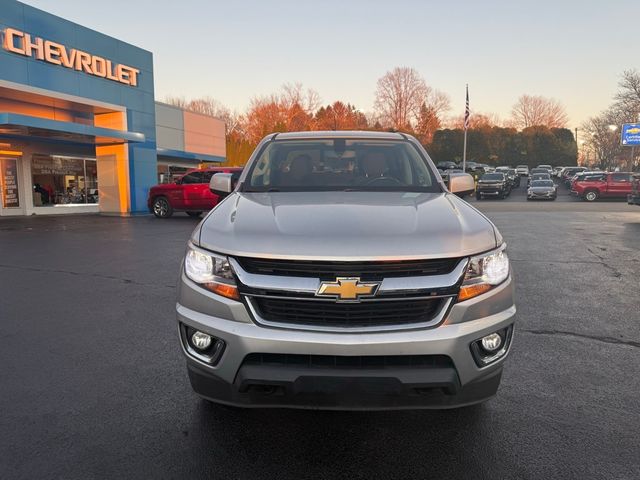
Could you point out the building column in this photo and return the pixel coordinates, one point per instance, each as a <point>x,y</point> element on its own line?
<point>113,168</point>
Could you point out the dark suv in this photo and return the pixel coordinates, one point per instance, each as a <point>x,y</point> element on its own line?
<point>493,185</point>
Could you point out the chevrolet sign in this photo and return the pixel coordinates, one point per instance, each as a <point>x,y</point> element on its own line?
<point>22,43</point>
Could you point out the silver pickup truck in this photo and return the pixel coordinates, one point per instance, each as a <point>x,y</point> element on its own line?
<point>340,273</point>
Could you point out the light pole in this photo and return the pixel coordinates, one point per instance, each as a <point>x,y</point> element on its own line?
<point>581,143</point>
<point>612,129</point>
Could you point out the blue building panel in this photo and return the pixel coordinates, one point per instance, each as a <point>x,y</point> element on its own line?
<point>52,77</point>
<point>13,69</point>
<point>12,15</point>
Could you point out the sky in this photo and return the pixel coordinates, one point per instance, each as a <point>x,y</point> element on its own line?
<point>236,50</point>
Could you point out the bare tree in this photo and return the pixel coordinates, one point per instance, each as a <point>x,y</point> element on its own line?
<point>602,139</point>
<point>180,102</point>
<point>294,93</point>
<point>627,99</point>
<point>534,110</point>
<point>399,95</point>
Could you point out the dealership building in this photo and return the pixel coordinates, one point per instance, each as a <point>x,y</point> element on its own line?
<point>80,130</point>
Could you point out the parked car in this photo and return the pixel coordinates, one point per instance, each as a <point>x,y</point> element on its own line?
<point>538,176</point>
<point>569,172</point>
<point>493,185</point>
<point>604,185</point>
<point>487,168</point>
<point>548,168</point>
<point>189,193</point>
<point>542,190</point>
<point>293,292</point>
<point>514,177</point>
<point>634,197</point>
<point>446,166</point>
<point>522,170</point>
<point>556,171</point>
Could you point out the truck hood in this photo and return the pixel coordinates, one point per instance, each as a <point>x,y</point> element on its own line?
<point>346,226</point>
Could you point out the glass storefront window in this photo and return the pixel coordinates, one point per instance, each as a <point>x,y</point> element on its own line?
<point>169,173</point>
<point>58,180</point>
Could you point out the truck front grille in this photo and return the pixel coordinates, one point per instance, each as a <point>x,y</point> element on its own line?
<point>325,313</point>
<point>364,270</point>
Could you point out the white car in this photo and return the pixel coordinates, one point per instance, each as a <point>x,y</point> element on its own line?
<point>522,170</point>
<point>548,167</point>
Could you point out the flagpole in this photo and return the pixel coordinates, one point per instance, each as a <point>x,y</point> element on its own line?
<point>464,153</point>
<point>466,127</point>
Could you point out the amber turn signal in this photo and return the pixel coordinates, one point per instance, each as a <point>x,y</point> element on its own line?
<point>470,291</point>
<point>229,291</point>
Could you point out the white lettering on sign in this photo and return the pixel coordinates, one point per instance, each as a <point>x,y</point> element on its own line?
<point>22,43</point>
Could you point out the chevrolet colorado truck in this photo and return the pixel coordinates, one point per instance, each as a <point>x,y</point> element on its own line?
<point>340,273</point>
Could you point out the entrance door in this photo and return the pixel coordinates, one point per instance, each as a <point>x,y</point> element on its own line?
<point>10,203</point>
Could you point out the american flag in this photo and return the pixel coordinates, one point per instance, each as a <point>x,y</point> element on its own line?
<point>466,111</point>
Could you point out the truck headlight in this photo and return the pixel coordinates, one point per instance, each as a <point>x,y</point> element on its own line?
<point>210,271</point>
<point>484,272</point>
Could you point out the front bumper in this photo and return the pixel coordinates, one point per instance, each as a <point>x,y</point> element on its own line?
<point>491,191</point>
<point>541,196</point>
<point>233,381</point>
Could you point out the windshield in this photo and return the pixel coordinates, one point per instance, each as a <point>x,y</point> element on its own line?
<point>340,164</point>
<point>542,183</point>
<point>493,176</point>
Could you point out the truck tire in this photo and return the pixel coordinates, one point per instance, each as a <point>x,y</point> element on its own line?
<point>162,208</point>
<point>591,195</point>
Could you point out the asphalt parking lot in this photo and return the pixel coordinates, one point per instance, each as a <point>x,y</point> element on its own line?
<point>94,385</point>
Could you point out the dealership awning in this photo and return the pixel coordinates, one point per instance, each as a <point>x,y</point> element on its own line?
<point>194,157</point>
<point>35,128</point>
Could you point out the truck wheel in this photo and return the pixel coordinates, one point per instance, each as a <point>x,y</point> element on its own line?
<point>194,214</point>
<point>162,208</point>
<point>591,196</point>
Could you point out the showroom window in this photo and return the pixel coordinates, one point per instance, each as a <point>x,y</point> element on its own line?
<point>58,180</point>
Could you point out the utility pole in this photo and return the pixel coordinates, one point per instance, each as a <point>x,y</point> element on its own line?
<point>577,147</point>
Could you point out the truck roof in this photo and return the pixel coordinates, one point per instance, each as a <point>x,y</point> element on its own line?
<point>339,134</point>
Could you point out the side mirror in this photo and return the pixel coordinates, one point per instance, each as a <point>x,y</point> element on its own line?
<point>221,184</point>
<point>461,184</point>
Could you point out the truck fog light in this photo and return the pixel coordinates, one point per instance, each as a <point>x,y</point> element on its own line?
<point>492,342</point>
<point>200,345</point>
<point>202,341</point>
<point>491,348</point>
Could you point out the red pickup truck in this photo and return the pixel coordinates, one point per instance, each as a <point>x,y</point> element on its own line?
<point>603,185</point>
<point>634,196</point>
<point>189,193</point>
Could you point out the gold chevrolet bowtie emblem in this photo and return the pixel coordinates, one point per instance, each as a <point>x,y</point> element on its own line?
<point>347,289</point>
